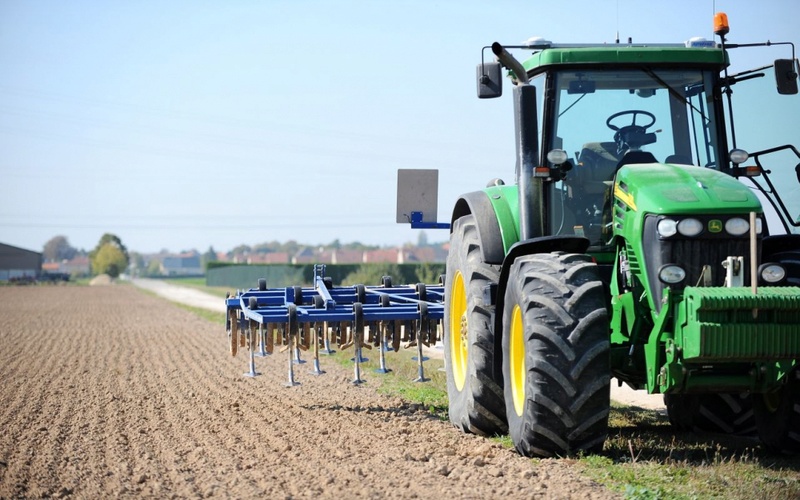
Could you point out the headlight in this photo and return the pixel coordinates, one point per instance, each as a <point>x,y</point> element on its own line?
<point>771,273</point>
<point>690,227</point>
<point>671,274</point>
<point>739,156</point>
<point>737,226</point>
<point>759,225</point>
<point>556,156</point>
<point>667,228</point>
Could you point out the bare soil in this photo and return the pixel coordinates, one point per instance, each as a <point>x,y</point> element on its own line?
<point>109,392</point>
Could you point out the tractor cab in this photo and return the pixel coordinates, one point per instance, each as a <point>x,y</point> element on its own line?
<point>600,108</point>
<point>606,118</point>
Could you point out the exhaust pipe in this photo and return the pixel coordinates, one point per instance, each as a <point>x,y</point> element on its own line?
<point>510,62</point>
<point>531,208</point>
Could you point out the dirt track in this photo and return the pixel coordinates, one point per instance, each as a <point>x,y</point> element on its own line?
<point>107,391</point>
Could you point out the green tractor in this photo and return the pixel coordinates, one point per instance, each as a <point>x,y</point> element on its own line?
<point>634,245</point>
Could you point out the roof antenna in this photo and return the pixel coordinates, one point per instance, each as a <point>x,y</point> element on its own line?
<point>617,39</point>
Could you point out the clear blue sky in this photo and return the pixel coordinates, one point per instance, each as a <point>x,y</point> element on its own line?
<point>187,124</point>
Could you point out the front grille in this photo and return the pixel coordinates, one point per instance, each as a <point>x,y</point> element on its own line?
<point>693,254</point>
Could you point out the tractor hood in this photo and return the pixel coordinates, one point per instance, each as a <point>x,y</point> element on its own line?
<point>680,189</point>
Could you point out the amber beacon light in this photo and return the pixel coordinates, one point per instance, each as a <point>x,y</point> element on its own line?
<point>721,26</point>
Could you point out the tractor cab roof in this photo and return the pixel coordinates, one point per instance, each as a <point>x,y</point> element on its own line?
<point>696,52</point>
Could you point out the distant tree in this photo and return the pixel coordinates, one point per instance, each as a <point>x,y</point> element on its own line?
<point>58,249</point>
<point>429,272</point>
<point>371,274</point>
<point>239,250</point>
<point>209,256</point>
<point>109,256</point>
<point>153,268</point>
<point>109,260</point>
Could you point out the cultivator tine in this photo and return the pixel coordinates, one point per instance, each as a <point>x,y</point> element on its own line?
<point>382,344</point>
<point>381,331</point>
<point>270,338</point>
<point>326,339</point>
<point>397,330</point>
<point>291,330</point>
<point>251,334</point>
<point>423,320</point>
<point>262,342</point>
<point>317,331</point>
<point>358,336</point>
<point>301,342</point>
<point>233,332</point>
<point>341,335</point>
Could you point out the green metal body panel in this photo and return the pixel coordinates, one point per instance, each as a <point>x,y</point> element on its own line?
<point>505,202</point>
<point>733,324</point>
<point>673,189</point>
<point>625,54</point>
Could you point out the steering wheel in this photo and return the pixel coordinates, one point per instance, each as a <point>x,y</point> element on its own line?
<point>633,135</point>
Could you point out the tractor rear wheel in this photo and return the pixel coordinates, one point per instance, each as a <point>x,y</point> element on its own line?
<point>556,367</point>
<point>475,398</point>
<point>724,413</point>
<point>778,416</point>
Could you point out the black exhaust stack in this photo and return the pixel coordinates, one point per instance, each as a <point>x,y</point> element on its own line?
<point>531,207</point>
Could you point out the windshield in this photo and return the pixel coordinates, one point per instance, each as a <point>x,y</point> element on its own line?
<point>602,115</point>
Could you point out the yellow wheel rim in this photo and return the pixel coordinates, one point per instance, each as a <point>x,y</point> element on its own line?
<point>516,360</point>
<point>459,341</point>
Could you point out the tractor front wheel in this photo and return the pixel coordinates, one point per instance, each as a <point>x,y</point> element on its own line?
<point>475,398</point>
<point>556,367</point>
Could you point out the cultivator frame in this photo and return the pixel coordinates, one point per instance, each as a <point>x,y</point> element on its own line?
<point>313,318</point>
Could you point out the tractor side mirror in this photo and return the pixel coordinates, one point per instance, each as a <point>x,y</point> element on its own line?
<point>490,80</point>
<point>786,76</point>
<point>797,171</point>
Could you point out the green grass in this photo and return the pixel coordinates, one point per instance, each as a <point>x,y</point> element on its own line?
<point>644,458</point>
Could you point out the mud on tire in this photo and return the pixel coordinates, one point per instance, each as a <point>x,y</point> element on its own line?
<point>475,398</point>
<point>556,367</point>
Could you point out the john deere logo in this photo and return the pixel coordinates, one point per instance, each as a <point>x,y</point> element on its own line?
<point>715,226</point>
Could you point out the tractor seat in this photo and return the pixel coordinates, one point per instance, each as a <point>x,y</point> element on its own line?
<point>597,165</point>
<point>632,157</point>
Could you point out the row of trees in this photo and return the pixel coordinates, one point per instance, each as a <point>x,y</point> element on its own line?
<point>109,256</point>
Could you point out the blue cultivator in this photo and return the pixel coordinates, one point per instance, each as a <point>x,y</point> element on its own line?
<point>302,318</point>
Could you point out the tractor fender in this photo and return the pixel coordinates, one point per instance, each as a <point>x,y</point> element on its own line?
<point>480,206</point>
<point>542,244</point>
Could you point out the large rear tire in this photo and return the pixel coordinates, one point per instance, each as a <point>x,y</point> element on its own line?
<point>556,367</point>
<point>721,413</point>
<point>778,416</point>
<point>475,398</point>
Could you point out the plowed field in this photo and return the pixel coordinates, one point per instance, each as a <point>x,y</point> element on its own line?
<point>110,392</point>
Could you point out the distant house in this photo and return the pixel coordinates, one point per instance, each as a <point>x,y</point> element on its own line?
<point>76,266</point>
<point>306,256</point>
<point>347,257</point>
<point>18,264</point>
<point>268,258</point>
<point>185,264</point>
<point>390,255</point>
<point>424,254</point>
